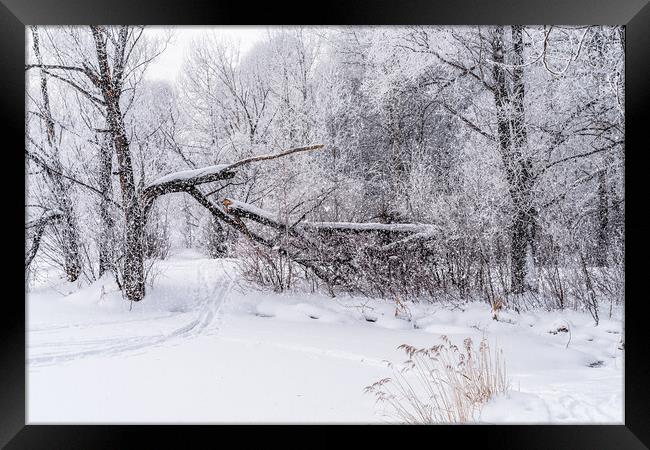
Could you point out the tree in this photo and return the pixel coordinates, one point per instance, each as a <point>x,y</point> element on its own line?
<point>116,58</point>
<point>512,136</point>
<point>60,187</point>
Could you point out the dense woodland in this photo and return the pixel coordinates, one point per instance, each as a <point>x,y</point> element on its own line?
<point>434,164</point>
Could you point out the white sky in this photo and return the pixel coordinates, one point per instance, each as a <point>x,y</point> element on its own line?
<point>168,65</point>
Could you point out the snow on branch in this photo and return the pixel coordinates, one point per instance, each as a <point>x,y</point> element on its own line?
<point>241,209</point>
<point>185,179</point>
<point>367,226</point>
<point>192,177</point>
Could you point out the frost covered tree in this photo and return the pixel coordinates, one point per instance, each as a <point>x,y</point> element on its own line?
<point>49,160</point>
<point>102,64</point>
<point>482,162</point>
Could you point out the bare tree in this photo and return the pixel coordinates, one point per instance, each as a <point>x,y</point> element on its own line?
<point>106,77</point>
<point>60,187</point>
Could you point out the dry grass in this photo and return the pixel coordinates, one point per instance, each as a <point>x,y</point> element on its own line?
<point>443,384</point>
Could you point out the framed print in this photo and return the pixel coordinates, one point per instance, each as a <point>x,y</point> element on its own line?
<point>389,215</point>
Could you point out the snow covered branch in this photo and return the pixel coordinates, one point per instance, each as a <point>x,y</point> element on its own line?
<point>326,246</point>
<point>185,180</point>
<point>241,209</point>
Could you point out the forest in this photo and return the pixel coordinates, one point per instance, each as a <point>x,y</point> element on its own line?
<point>502,148</point>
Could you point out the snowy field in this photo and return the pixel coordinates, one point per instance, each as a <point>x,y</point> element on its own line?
<point>204,347</point>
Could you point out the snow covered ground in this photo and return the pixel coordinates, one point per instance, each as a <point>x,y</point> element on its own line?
<point>204,347</point>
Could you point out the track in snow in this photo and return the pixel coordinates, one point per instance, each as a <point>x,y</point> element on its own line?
<point>113,338</point>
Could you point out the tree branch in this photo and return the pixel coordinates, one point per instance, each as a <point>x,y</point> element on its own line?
<point>267,157</point>
<point>39,224</point>
<point>581,155</point>
<point>468,122</point>
<point>184,180</point>
<point>49,169</point>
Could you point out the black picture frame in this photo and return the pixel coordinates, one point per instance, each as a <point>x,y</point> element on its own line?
<point>16,14</point>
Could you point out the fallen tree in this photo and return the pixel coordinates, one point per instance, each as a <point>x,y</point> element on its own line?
<point>377,256</point>
<point>241,209</point>
<point>323,248</point>
<point>186,180</point>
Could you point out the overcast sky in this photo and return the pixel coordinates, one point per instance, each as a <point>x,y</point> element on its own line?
<point>167,66</point>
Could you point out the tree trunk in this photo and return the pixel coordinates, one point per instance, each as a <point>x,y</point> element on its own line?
<point>603,221</point>
<point>512,138</point>
<point>106,244</point>
<point>134,261</point>
<point>133,272</point>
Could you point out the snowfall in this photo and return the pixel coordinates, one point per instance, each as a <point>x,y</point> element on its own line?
<point>205,346</point>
